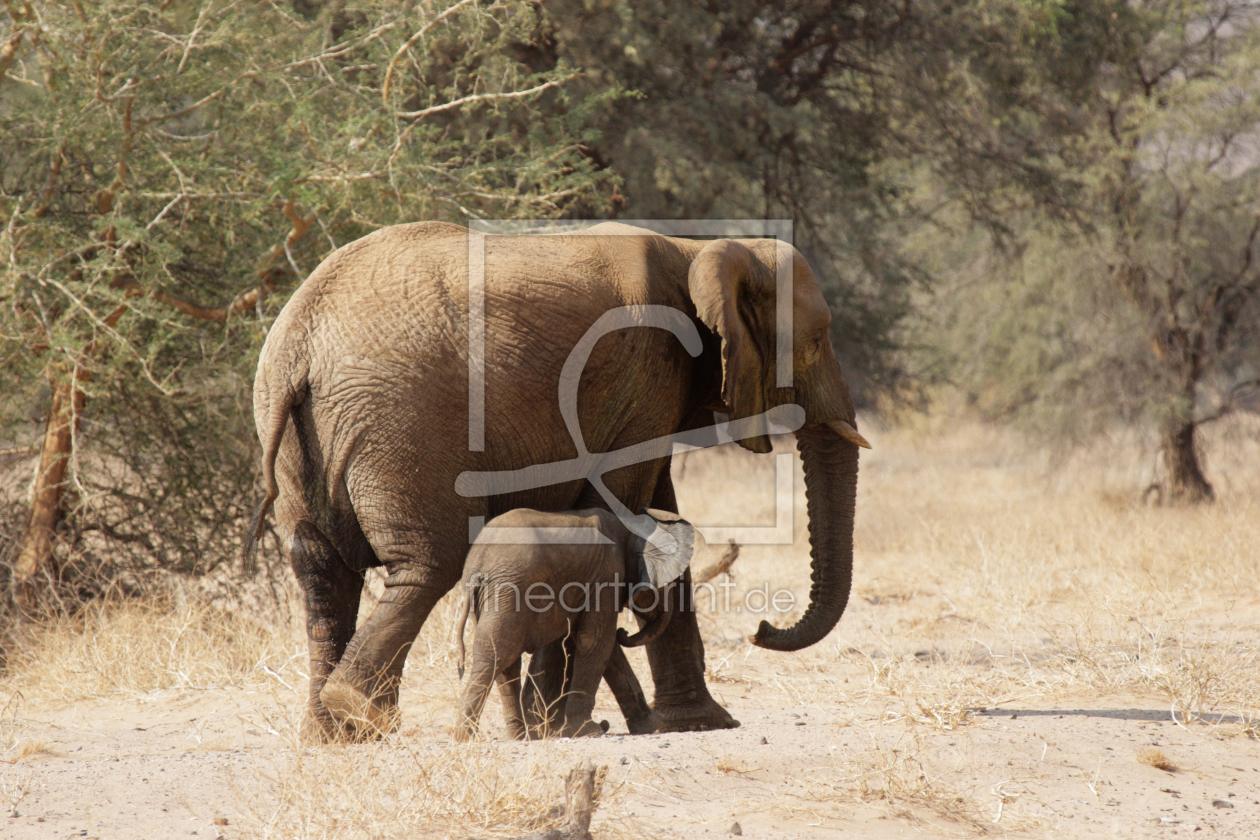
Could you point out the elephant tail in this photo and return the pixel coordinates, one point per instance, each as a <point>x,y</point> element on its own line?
<point>648,634</point>
<point>281,402</point>
<point>462,620</point>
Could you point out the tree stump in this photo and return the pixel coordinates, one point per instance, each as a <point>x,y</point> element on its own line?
<point>581,797</point>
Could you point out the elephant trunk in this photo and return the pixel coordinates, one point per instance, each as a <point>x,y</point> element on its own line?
<point>831,465</point>
<point>650,633</point>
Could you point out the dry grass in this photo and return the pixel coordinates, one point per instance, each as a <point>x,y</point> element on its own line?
<point>1155,757</point>
<point>974,551</point>
<point>25,748</point>
<point>989,573</point>
<point>128,647</point>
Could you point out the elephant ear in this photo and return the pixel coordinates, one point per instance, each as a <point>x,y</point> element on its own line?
<point>730,297</point>
<point>665,555</point>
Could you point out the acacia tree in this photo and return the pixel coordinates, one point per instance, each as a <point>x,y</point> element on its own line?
<point>170,171</point>
<point>1133,129</point>
<point>1177,181</point>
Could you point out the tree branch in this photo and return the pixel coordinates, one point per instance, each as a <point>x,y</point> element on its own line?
<point>247,299</point>
<point>455,103</point>
<point>8,53</point>
<point>409,43</point>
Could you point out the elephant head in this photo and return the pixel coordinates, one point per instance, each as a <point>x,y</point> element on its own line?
<point>652,569</point>
<point>734,289</point>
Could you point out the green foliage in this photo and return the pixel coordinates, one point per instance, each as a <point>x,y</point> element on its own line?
<point>760,109</point>
<point>1113,155</point>
<point>170,171</point>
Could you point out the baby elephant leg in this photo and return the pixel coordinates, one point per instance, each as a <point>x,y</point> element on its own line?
<point>641,719</point>
<point>510,693</point>
<point>485,668</point>
<point>595,642</point>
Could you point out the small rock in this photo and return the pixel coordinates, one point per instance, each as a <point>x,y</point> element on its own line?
<point>1221,803</point>
<point>800,723</point>
<point>1168,821</point>
<point>220,821</point>
<point>625,760</point>
<point>736,830</point>
<point>763,740</point>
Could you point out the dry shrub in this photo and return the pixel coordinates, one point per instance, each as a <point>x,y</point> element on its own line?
<point>1155,757</point>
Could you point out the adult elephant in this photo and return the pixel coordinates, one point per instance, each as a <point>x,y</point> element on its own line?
<point>362,405</point>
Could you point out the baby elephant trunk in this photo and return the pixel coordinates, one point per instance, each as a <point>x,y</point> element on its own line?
<point>648,634</point>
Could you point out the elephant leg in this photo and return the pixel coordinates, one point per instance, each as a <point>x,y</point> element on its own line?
<point>332,591</point>
<point>542,695</point>
<point>364,686</point>
<point>621,679</point>
<point>509,681</point>
<point>595,642</point>
<point>485,671</point>
<point>677,657</point>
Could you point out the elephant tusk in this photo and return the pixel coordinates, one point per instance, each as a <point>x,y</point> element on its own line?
<point>846,431</point>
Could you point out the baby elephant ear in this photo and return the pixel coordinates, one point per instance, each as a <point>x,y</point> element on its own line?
<point>667,552</point>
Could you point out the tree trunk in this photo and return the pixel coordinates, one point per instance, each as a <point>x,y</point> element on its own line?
<point>36,561</point>
<point>1186,482</point>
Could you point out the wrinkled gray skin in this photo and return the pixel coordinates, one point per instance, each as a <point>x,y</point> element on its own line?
<point>578,592</point>
<point>361,404</point>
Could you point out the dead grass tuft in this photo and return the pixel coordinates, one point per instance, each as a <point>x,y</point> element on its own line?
<point>729,764</point>
<point>909,778</point>
<point>1157,758</point>
<point>26,748</point>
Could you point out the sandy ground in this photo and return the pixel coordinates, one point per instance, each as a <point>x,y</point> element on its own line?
<point>173,764</point>
<point>1017,653</point>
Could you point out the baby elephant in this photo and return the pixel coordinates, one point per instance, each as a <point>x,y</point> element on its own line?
<point>532,578</point>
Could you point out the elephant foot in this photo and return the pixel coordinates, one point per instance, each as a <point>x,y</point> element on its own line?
<point>700,715</point>
<point>645,724</point>
<point>588,729</point>
<point>320,728</point>
<point>357,715</point>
